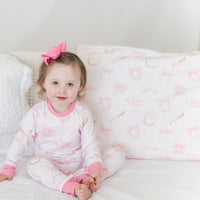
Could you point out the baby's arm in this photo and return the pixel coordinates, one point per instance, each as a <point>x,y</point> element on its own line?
<point>7,173</point>
<point>90,150</point>
<point>18,147</point>
<point>90,146</point>
<point>5,177</point>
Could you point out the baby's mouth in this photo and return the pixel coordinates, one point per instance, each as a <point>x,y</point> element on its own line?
<point>62,98</point>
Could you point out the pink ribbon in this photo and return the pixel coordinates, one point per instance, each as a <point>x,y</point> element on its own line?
<point>54,53</point>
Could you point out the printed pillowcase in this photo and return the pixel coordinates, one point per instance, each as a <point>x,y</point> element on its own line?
<point>145,102</point>
<point>15,79</point>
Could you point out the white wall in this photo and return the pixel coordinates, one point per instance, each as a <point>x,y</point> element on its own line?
<point>163,25</point>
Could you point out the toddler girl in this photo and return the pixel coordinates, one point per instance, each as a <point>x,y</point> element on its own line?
<point>67,156</point>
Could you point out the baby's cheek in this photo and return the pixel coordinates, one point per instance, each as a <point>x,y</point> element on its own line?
<point>50,92</point>
<point>74,92</point>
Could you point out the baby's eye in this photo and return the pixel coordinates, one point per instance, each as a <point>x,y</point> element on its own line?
<point>55,83</point>
<point>70,84</point>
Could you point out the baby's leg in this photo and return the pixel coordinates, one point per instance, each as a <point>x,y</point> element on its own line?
<point>45,172</point>
<point>113,159</point>
<point>82,191</point>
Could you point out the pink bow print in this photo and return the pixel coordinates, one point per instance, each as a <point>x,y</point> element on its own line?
<point>54,53</point>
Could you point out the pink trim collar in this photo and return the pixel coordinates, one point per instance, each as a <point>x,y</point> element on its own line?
<point>60,114</point>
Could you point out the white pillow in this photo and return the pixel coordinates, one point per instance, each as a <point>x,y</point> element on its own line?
<point>15,79</point>
<point>146,102</point>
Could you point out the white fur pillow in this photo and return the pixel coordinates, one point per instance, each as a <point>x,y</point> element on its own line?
<point>144,101</point>
<point>15,79</point>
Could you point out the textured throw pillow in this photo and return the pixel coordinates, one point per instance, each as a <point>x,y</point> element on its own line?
<point>15,79</point>
<point>145,102</point>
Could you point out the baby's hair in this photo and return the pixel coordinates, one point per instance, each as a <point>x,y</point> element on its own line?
<point>67,58</point>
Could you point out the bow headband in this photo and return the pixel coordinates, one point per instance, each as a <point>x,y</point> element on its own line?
<point>54,53</point>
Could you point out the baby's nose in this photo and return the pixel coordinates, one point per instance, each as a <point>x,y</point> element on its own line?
<point>62,90</point>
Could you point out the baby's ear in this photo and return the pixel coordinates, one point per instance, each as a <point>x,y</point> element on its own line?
<point>80,87</point>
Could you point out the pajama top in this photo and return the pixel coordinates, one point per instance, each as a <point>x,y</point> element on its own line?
<point>68,136</point>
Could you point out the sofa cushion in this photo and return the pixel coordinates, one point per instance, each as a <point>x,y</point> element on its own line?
<point>15,79</point>
<point>144,101</point>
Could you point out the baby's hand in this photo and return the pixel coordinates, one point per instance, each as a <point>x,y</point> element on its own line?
<point>96,184</point>
<point>5,177</point>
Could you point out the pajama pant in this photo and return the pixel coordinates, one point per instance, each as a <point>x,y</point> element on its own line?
<point>54,173</point>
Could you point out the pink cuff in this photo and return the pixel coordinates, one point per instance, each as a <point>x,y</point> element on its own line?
<point>8,170</point>
<point>96,166</point>
<point>69,187</point>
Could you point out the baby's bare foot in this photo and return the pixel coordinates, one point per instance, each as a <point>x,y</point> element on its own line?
<point>87,181</point>
<point>82,191</point>
<point>93,187</point>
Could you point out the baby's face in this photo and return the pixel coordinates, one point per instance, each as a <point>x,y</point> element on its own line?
<point>62,84</point>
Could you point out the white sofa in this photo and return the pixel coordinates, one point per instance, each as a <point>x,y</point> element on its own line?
<point>138,179</point>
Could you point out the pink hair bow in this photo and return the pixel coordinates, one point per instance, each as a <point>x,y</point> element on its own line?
<point>54,53</point>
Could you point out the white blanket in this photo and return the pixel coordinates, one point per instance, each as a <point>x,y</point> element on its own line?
<point>137,180</point>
